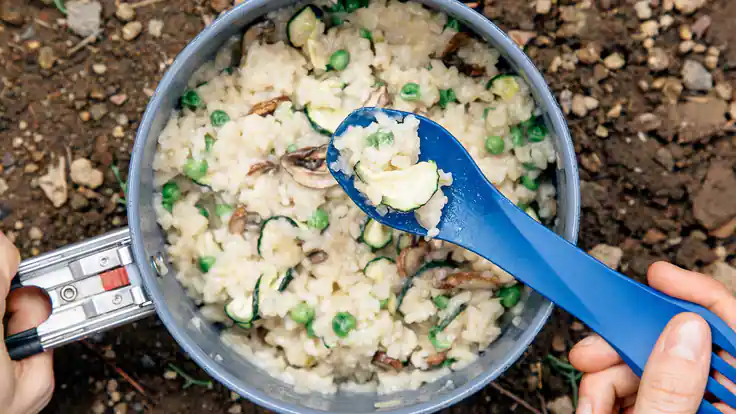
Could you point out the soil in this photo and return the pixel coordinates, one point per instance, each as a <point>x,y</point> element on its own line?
<point>657,164</point>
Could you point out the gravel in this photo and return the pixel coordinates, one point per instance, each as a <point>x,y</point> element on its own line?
<point>132,30</point>
<point>658,60</point>
<point>83,18</point>
<point>46,57</point>
<point>610,255</point>
<point>125,12</point>
<point>614,61</point>
<point>53,184</point>
<point>82,173</point>
<point>696,77</point>
<point>156,27</point>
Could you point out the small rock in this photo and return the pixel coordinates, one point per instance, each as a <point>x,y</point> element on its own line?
<point>696,77</point>
<point>46,57</point>
<point>119,99</point>
<point>725,231</point>
<point>601,131</point>
<point>665,158</point>
<point>672,89</point>
<point>170,375</point>
<point>97,94</point>
<point>521,37</point>
<point>235,409</point>
<point>577,326</point>
<point>18,225</point>
<point>610,255</point>
<point>614,61</point>
<point>590,53</point>
<point>3,186</point>
<point>648,43</point>
<point>31,168</point>
<point>732,110</point>
<point>723,273</point>
<point>111,386</point>
<point>98,111</point>
<point>78,202</point>
<point>658,60</point>
<point>615,111</point>
<point>643,9</point>
<point>600,72</point>
<point>82,173</point>
<point>685,32</point>
<point>53,183</point>
<point>714,204</point>
<point>544,6</point>
<point>85,116</point>
<point>699,48</point>
<point>649,28</point>
<point>558,343</point>
<point>711,62</point>
<point>115,396</point>
<point>654,236</point>
<point>561,405</point>
<point>125,12</point>
<point>156,27</point>
<point>701,26</point>
<point>688,6</point>
<point>579,106</point>
<point>566,101</point>
<point>724,90</point>
<point>646,122</point>
<point>99,68</point>
<point>35,233</point>
<point>132,30</point>
<point>666,21</point>
<point>83,17</point>
<point>685,47</point>
<point>11,15</point>
<point>118,132</point>
<point>220,5</point>
<point>121,408</point>
<point>98,407</point>
<point>591,103</point>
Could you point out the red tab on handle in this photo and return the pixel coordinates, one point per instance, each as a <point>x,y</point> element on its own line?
<point>114,279</point>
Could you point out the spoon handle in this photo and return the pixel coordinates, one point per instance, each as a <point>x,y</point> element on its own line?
<point>628,314</point>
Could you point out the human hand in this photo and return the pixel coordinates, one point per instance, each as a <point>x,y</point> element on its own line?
<point>25,386</point>
<point>676,373</point>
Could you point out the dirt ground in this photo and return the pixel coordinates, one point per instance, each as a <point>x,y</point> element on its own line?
<point>647,86</point>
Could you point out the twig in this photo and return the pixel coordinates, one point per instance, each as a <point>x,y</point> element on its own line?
<point>43,23</point>
<point>542,402</point>
<point>123,184</point>
<point>33,115</point>
<point>516,399</point>
<point>189,380</point>
<point>120,372</point>
<point>87,40</point>
<point>144,3</point>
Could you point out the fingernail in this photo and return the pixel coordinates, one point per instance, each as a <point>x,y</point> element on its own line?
<point>687,340</point>
<point>588,341</point>
<point>584,406</point>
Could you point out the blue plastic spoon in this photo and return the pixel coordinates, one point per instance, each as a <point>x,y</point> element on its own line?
<point>628,314</point>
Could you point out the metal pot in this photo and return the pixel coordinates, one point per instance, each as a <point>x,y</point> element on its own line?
<point>123,276</point>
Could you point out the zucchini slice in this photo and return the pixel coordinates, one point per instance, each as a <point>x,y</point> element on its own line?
<point>504,86</point>
<point>325,120</point>
<point>301,26</point>
<point>374,268</point>
<point>288,277</point>
<point>276,244</point>
<point>403,241</point>
<point>376,235</point>
<point>409,282</point>
<point>408,189</point>
<point>236,309</point>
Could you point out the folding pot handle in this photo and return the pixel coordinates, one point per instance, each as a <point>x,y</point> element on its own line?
<point>93,286</point>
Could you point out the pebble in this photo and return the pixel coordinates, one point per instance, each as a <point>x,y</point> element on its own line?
<point>614,61</point>
<point>601,131</point>
<point>119,99</point>
<point>132,30</point>
<point>579,107</point>
<point>561,405</point>
<point>84,116</point>
<point>156,27</point>
<point>648,43</point>
<point>666,21</point>
<point>118,132</point>
<point>99,68</point>
<point>3,186</point>
<point>125,12</point>
<point>701,25</point>
<point>615,111</point>
<point>558,343</point>
<point>577,326</point>
<point>724,273</point>
<point>688,6</point>
<point>665,158</point>
<point>610,255</point>
<point>658,60</point>
<point>18,225</point>
<point>699,48</point>
<point>111,386</point>
<point>31,168</point>
<point>521,37</point>
<point>643,9</point>
<point>696,77</point>
<point>711,62</point>
<point>170,375</point>
<point>566,101</point>
<point>83,17</point>
<point>98,111</point>
<point>220,5</point>
<point>78,202</point>
<point>98,407</point>
<point>591,103</point>
<point>115,396</point>
<point>235,409</point>
<point>724,90</point>
<point>685,47</point>
<point>713,51</point>
<point>22,125</point>
<point>82,173</point>
<point>649,28</point>
<point>685,32</point>
<point>590,53</point>
<point>544,6</point>
<point>46,57</point>
<point>121,408</point>
<point>11,15</point>
<point>53,183</point>
<point>654,236</point>
<point>35,233</point>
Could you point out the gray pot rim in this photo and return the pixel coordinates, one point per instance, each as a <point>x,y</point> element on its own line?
<point>566,157</point>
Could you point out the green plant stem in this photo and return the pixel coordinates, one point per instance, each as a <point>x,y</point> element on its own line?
<point>60,5</point>
<point>189,381</point>
<point>569,372</point>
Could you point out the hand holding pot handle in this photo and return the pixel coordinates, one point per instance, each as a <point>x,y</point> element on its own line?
<point>26,386</point>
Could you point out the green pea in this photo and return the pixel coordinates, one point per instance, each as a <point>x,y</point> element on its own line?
<point>537,133</point>
<point>352,5</point>
<point>410,92</point>
<point>529,182</point>
<point>446,97</point>
<point>319,220</point>
<point>195,169</point>
<point>452,24</point>
<point>517,136</point>
<point>302,313</point>
<point>384,303</point>
<point>219,118</point>
<point>171,192</point>
<point>191,100</point>
<point>495,144</point>
<point>380,138</point>
<point>343,323</point>
<point>366,34</point>
<point>206,263</point>
<point>209,141</point>
<point>223,210</point>
<point>522,206</point>
<point>340,59</point>
<point>510,295</point>
<point>203,211</point>
<point>441,301</point>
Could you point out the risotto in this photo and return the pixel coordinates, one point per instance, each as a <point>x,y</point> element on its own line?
<point>267,244</point>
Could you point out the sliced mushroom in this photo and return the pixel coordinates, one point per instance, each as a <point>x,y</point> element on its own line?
<point>472,70</point>
<point>411,258</point>
<point>380,98</point>
<point>436,360</point>
<point>262,167</point>
<point>268,107</point>
<point>242,220</point>
<point>317,256</point>
<point>386,362</point>
<point>308,167</point>
<point>208,201</point>
<point>468,280</point>
<point>459,40</point>
<point>259,31</point>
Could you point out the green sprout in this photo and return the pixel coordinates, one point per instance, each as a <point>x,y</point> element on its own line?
<point>569,372</point>
<point>189,381</point>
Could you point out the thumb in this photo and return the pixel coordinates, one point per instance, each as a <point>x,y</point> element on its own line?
<point>677,370</point>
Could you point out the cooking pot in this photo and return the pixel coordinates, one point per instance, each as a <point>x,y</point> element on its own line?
<point>124,275</point>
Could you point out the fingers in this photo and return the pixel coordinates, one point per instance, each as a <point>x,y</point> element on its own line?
<point>677,370</point>
<point>9,261</point>
<point>593,354</point>
<point>694,287</point>
<point>34,377</point>
<point>600,391</point>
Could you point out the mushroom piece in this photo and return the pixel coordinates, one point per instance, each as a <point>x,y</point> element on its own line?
<point>379,98</point>
<point>242,220</point>
<point>208,201</point>
<point>472,70</point>
<point>268,107</point>
<point>308,167</point>
<point>317,256</point>
<point>411,258</point>
<point>262,167</point>
<point>259,31</point>
<point>468,280</point>
<point>459,40</point>
<point>437,359</point>
<point>386,362</point>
